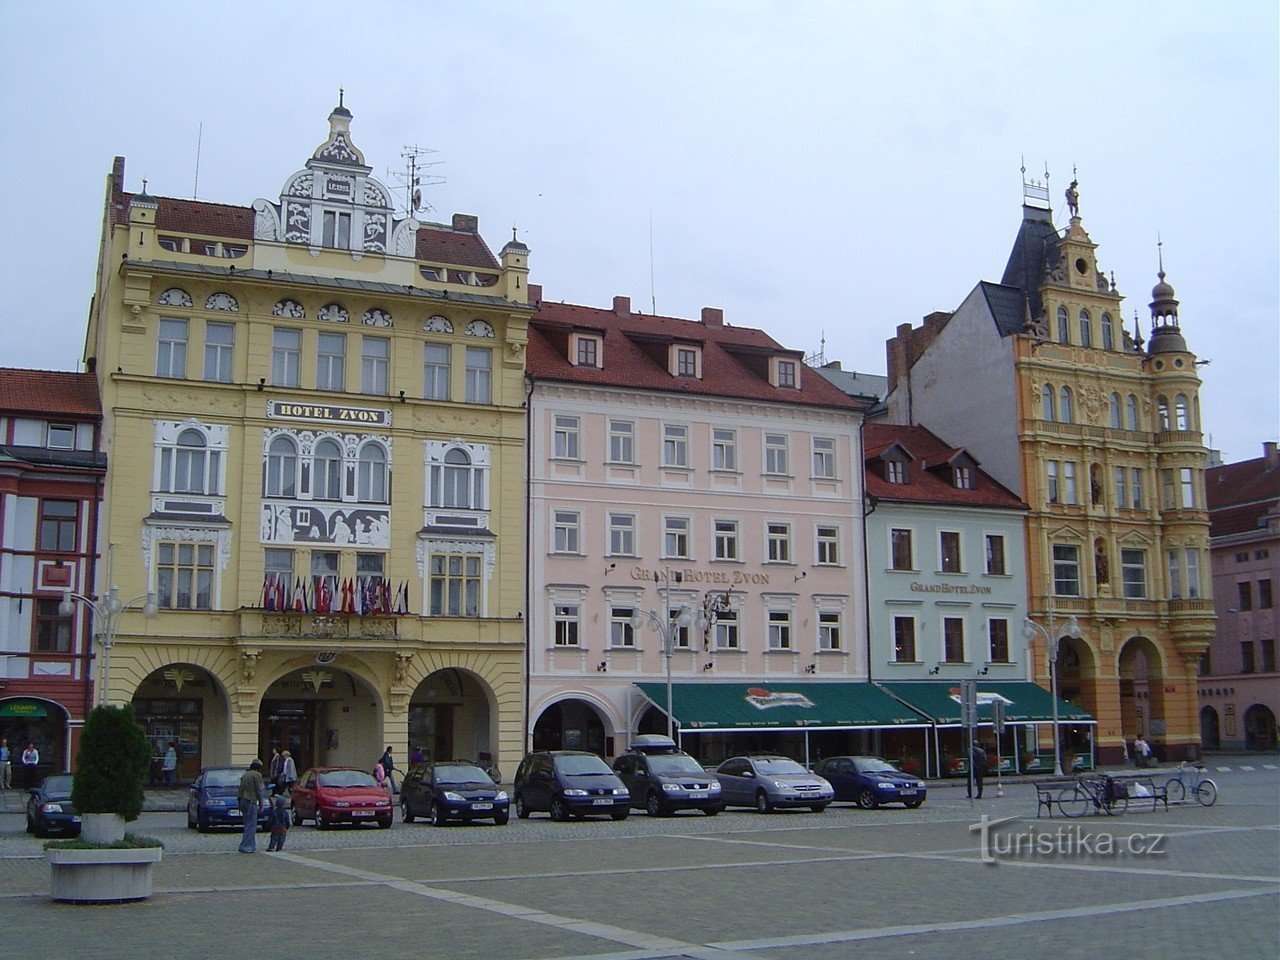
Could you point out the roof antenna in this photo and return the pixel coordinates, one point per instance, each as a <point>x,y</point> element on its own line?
<point>653,293</point>
<point>195,190</point>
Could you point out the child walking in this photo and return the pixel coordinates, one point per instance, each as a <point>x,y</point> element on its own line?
<point>279,824</point>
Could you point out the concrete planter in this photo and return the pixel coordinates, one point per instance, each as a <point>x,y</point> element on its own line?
<point>101,828</point>
<point>102,876</point>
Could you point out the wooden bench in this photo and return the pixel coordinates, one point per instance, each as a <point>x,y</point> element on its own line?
<point>1047,792</point>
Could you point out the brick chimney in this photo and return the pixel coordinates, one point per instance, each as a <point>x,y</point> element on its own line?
<point>466,223</point>
<point>622,306</point>
<point>535,293</point>
<point>713,316</point>
<point>1270,454</point>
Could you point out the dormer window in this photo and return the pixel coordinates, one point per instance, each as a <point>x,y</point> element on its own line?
<point>586,350</point>
<point>895,471</point>
<point>686,361</point>
<point>963,478</point>
<point>337,230</point>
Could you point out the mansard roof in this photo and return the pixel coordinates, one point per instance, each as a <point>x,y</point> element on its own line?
<point>49,393</point>
<point>1035,251</point>
<point>926,485</point>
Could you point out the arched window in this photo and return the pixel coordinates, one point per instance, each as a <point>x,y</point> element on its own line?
<point>1108,334</point>
<point>1162,413</point>
<point>1181,412</point>
<point>326,483</point>
<point>371,474</point>
<point>1064,406</point>
<point>1116,416</point>
<point>1131,413</point>
<point>1064,330</point>
<point>282,468</point>
<point>1086,329</point>
<point>1047,402</point>
<point>194,468</point>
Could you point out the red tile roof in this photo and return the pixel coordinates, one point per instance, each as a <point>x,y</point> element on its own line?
<point>923,484</point>
<point>49,392</point>
<point>1240,494</point>
<point>443,245</point>
<point>634,356</point>
<point>194,216</point>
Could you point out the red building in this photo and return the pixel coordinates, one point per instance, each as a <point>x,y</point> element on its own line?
<point>51,475</point>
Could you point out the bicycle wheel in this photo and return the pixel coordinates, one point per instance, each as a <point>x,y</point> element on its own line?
<point>1176,789</point>
<point>1207,792</point>
<point>1074,802</point>
<point>1117,807</point>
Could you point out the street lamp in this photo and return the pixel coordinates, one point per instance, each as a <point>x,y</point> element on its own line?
<point>106,617</point>
<point>1030,630</point>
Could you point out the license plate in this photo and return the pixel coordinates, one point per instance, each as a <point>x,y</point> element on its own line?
<point>700,795</point>
<point>362,813</point>
<point>603,802</point>
<point>482,806</point>
<point>235,813</point>
<point>908,791</point>
<point>75,819</point>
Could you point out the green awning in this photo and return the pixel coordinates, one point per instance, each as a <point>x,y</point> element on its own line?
<point>1025,702</point>
<point>781,705</point>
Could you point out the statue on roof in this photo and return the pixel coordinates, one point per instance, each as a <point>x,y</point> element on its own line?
<point>1073,198</point>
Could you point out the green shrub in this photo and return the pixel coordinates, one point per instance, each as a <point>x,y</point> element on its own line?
<point>113,760</point>
<point>131,841</point>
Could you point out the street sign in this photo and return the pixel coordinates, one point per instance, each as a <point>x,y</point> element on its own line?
<point>997,715</point>
<point>969,703</point>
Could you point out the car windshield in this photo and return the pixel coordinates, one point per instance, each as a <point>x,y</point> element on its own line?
<point>461,773</point>
<point>347,778</point>
<point>223,778</point>
<point>574,766</point>
<point>874,766</point>
<point>58,785</point>
<point>775,768</point>
<point>669,765</point>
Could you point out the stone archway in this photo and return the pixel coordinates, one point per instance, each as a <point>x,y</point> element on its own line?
<point>187,706</point>
<point>453,716</point>
<point>42,722</point>
<point>1259,728</point>
<point>572,724</point>
<point>1210,729</point>
<point>1142,702</point>
<point>324,715</point>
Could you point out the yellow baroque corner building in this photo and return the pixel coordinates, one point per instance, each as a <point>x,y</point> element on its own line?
<point>1102,438</point>
<point>314,423</point>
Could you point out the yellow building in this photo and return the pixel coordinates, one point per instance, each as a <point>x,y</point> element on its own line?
<point>313,418</point>
<point>1102,438</point>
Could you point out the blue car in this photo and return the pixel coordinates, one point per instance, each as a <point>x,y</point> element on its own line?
<point>870,781</point>
<point>452,790</point>
<point>49,807</point>
<point>212,800</point>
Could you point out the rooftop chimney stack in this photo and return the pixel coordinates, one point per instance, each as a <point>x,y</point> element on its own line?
<point>713,316</point>
<point>622,306</point>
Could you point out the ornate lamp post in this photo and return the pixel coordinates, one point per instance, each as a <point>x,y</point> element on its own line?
<point>106,618</point>
<point>1030,630</point>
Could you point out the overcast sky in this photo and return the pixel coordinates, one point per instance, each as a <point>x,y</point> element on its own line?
<point>815,169</point>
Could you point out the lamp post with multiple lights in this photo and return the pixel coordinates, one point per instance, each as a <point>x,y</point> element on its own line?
<point>1030,630</point>
<point>106,612</point>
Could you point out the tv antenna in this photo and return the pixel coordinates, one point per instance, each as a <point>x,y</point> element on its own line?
<point>414,177</point>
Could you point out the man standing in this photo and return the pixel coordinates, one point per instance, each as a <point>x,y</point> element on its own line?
<point>6,766</point>
<point>251,793</point>
<point>170,765</point>
<point>288,774</point>
<point>978,759</point>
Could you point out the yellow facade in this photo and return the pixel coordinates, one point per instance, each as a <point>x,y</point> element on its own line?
<point>203,493</point>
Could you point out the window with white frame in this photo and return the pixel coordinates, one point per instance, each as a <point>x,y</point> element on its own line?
<point>190,466</point>
<point>824,458</point>
<point>953,640</point>
<point>621,631</point>
<point>787,373</point>
<point>566,530</point>
<point>286,357</point>
<point>454,586</point>
<point>435,371</point>
<point>456,479</point>
<point>675,538</point>
<point>568,625</point>
<point>1194,590</point>
<point>962,478</point>
<point>1066,570</point>
<point>184,576</point>
<point>675,445</point>
<point>680,633</point>
<point>778,542</point>
<point>904,639</point>
<point>949,551</point>
<point>61,436</point>
<point>282,468</point>
<point>779,627</point>
<point>1122,487</point>
<point>219,351</point>
<point>1069,482</point>
<point>326,470</point>
<point>1133,569</point>
<point>724,449</point>
<point>565,435</point>
<point>726,539</point>
<point>622,441</point>
<point>1181,412</point>
<point>1163,420</point>
<point>830,630</point>
<point>171,349</point>
<point>336,229</point>
<point>1131,413</point>
<point>726,630</point>
<point>900,550</point>
<point>995,565</point>
<point>1187,488</point>
<point>775,454</point>
<point>622,535</point>
<point>331,361</point>
<point>277,567</point>
<point>895,471</point>
<point>1135,489</point>
<point>828,544</point>
<point>371,570</point>
<point>479,375</point>
<point>686,362</point>
<point>371,474</point>
<point>375,365</point>
<point>1051,478</point>
<point>998,640</point>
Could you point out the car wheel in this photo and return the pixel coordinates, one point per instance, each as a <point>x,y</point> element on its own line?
<point>817,807</point>
<point>297,817</point>
<point>385,824</point>
<point>202,822</point>
<point>500,819</point>
<point>763,803</point>
<point>620,814</point>
<point>867,799</point>
<point>558,810</point>
<point>521,810</point>
<point>191,821</point>
<point>436,814</point>
<point>321,824</point>
<point>404,811</point>
<point>711,811</point>
<point>913,804</point>
<point>655,806</point>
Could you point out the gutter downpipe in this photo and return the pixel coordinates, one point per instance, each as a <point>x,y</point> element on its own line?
<point>526,734</point>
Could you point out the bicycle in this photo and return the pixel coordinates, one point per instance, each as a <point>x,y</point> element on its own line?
<point>1191,780</point>
<point>1104,793</point>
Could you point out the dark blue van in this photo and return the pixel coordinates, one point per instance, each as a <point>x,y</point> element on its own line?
<point>568,783</point>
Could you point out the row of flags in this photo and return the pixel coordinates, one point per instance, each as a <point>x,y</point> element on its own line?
<point>364,595</point>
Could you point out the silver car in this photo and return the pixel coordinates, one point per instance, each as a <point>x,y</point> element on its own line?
<point>770,782</point>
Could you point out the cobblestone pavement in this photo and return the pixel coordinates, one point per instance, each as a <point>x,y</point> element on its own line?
<point>741,886</point>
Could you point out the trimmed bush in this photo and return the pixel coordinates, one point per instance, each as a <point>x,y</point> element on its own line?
<point>112,764</point>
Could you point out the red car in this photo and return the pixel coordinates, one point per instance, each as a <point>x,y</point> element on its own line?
<point>331,795</point>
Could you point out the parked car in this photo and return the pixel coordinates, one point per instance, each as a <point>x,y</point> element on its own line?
<point>769,782</point>
<point>870,781</point>
<point>212,801</point>
<point>330,795</point>
<point>662,778</point>
<point>452,790</point>
<point>569,782</point>
<point>49,808</point>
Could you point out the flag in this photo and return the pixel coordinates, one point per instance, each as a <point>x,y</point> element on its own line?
<point>269,591</point>
<point>279,592</point>
<point>324,596</point>
<point>299,595</point>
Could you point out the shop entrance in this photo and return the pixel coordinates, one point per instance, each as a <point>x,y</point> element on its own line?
<point>431,729</point>
<point>288,725</point>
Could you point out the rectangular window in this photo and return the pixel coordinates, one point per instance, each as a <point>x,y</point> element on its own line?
<point>278,566</point>
<point>331,361</point>
<point>479,375</point>
<point>566,527</point>
<point>949,551</point>
<point>622,441</point>
<point>53,631</point>
<point>900,550</point>
<point>726,539</point>
<point>1069,482</point>
<point>1051,477</point>
<point>621,632</point>
<point>995,555</point>
<point>567,625</point>
<point>219,351</point>
<point>622,535</point>
<point>370,577</point>
<point>953,639</point>
<point>1133,566</point>
<point>675,537</point>
<point>336,230</point>
<point>778,537</point>
<point>775,454</point>
<point>828,546</point>
<point>58,525</point>
<point>1245,591</point>
<point>963,478</point>
<point>1175,575</point>
<point>1247,664</point>
<point>375,365</point>
<point>565,437</point>
<point>455,585</point>
<point>1186,488</point>
<point>1122,487</point>
<point>1193,573</point>
<point>171,350</point>
<point>435,371</point>
<point>786,373</point>
<point>675,445</point>
<point>324,571</point>
<point>1136,489</point>
<point>830,628</point>
<point>779,630</point>
<point>1066,570</point>
<point>824,458</point>
<point>588,351</point>
<point>184,576</point>
<point>1264,593</point>
<point>895,472</point>
<point>998,638</point>
<point>724,449</point>
<point>1268,650</point>
<point>286,357</point>
<point>727,630</point>
<point>61,436</point>
<point>904,640</point>
<point>686,362</point>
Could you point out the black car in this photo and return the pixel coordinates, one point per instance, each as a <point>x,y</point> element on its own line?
<point>49,807</point>
<point>452,790</point>
<point>662,779</point>
<point>569,782</point>
<point>870,781</point>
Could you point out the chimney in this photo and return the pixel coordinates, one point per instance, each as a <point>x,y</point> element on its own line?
<point>466,223</point>
<point>831,365</point>
<point>936,319</point>
<point>535,293</point>
<point>713,316</point>
<point>622,306</point>
<point>1270,454</point>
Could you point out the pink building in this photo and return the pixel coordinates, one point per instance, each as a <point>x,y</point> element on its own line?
<point>1239,685</point>
<point>691,483</point>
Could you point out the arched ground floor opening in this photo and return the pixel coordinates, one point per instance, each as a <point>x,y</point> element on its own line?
<point>186,706</point>
<point>452,716</point>
<point>42,723</point>
<point>1210,729</point>
<point>324,716</point>
<point>1259,728</point>
<point>574,724</point>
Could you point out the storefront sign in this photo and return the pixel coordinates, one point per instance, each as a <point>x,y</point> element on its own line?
<point>763,699</point>
<point>22,709</point>
<point>918,587</point>
<point>327,413</point>
<point>689,575</point>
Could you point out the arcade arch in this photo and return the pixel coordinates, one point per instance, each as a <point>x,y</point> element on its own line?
<point>453,716</point>
<point>324,715</point>
<point>575,723</point>
<point>1142,702</point>
<point>186,705</point>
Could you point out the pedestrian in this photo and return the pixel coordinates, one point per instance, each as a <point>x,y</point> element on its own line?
<point>1142,751</point>
<point>30,760</point>
<point>380,775</point>
<point>978,764</point>
<point>170,765</point>
<point>279,823</point>
<point>6,767</point>
<point>288,775</point>
<point>417,756</point>
<point>252,791</point>
<point>273,769</point>
<point>388,765</point>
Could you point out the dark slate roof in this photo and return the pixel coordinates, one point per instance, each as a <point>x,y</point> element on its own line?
<point>49,392</point>
<point>1240,495</point>
<point>1007,306</point>
<point>1035,251</point>
<point>923,484</point>
<point>864,386</point>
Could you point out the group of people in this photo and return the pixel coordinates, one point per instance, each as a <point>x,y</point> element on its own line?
<point>282,772</point>
<point>250,796</point>
<point>27,763</point>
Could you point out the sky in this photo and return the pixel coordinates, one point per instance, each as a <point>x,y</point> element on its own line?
<point>821,171</point>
